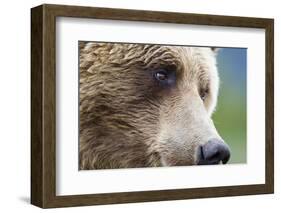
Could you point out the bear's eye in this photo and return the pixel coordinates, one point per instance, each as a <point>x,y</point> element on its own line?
<point>161,76</point>
<point>165,77</point>
<point>203,94</point>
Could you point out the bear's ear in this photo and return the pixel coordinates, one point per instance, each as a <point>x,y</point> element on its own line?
<point>215,49</point>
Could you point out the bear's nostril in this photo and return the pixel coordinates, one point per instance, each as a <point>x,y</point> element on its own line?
<point>213,152</point>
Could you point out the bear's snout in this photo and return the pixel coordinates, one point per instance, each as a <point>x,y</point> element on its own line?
<point>214,151</point>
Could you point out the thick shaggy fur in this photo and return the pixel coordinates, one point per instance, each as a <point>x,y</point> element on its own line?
<point>128,120</point>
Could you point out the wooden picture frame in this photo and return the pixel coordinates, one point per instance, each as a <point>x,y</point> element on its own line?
<point>43,105</point>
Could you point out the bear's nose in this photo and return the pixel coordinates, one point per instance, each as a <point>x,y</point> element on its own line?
<point>213,152</point>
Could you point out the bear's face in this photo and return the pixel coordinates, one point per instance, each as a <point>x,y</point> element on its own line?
<point>146,105</point>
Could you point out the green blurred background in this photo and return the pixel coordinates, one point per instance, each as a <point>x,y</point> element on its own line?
<point>230,117</point>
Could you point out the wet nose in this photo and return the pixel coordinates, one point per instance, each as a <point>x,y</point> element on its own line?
<point>214,151</point>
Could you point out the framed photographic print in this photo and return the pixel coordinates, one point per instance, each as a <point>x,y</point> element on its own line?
<point>135,106</point>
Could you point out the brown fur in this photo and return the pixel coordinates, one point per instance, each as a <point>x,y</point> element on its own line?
<point>124,115</point>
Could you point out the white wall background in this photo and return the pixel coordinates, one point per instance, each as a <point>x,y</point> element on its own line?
<point>15,105</point>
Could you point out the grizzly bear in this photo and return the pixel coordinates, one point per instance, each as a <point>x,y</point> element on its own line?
<point>146,105</point>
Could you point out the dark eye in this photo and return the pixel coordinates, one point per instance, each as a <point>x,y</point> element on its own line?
<point>204,94</point>
<point>165,77</point>
<point>161,75</point>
